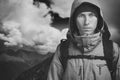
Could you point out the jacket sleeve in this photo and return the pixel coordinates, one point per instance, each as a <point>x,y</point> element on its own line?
<point>55,69</point>
<point>117,60</point>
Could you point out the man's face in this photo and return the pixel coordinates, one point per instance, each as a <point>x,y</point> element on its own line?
<point>86,22</point>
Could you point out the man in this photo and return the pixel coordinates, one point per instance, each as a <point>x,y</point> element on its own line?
<point>92,56</point>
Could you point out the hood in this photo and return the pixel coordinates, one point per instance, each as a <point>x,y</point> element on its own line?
<point>101,27</point>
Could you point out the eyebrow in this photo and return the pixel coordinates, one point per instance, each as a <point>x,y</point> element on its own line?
<point>88,13</point>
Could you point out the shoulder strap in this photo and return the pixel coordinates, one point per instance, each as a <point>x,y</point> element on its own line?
<point>64,53</point>
<point>108,52</point>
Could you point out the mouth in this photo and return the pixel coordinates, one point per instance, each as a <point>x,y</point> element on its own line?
<point>87,29</point>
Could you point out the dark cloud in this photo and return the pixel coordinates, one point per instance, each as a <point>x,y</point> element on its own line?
<point>59,22</point>
<point>47,2</point>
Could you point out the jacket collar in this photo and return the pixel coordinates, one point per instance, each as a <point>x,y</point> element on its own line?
<point>87,42</point>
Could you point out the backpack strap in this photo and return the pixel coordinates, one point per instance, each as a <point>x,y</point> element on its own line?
<point>108,52</point>
<point>64,53</point>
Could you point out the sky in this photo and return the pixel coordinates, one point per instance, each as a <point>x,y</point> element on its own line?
<point>62,7</point>
<point>27,26</point>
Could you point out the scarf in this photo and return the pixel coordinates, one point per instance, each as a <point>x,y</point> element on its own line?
<point>86,42</point>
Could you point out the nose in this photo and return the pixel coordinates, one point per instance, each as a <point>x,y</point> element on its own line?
<point>87,20</point>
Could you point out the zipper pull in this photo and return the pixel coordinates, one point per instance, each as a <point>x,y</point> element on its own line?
<point>80,70</point>
<point>99,69</point>
<point>100,66</point>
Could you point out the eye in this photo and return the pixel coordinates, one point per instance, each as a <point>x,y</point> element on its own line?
<point>91,14</point>
<point>81,15</point>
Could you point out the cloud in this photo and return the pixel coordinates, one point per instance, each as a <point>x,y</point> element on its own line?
<point>63,7</point>
<point>27,25</point>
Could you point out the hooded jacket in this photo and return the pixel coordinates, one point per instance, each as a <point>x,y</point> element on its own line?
<point>85,69</point>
